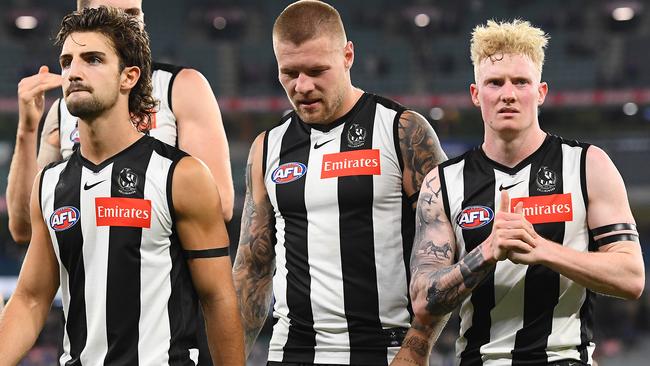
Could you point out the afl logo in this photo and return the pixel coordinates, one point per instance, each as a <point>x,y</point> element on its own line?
<point>64,218</point>
<point>288,172</point>
<point>474,217</point>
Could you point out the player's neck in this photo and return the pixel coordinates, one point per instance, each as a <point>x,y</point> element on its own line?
<point>510,150</point>
<point>107,135</point>
<point>351,99</point>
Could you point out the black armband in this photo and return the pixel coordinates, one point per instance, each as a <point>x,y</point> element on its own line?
<point>616,234</point>
<point>613,227</point>
<point>413,198</point>
<point>617,237</point>
<point>206,253</point>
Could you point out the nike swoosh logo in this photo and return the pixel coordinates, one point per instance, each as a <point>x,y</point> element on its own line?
<point>502,187</point>
<point>87,186</point>
<point>316,145</point>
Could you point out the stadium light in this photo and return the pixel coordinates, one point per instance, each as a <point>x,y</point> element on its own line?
<point>422,20</point>
<point>436,113</point>
<point>630,109</point>
<point>26,22</point>
<point>219,22</point>
<point>623,13</point>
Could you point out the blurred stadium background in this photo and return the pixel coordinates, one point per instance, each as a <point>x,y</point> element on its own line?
<point>415,51</point>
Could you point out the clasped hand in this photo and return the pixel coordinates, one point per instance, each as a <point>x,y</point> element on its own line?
<point>513,237</point>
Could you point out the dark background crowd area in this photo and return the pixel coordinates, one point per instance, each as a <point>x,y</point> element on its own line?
<point>414,51</point>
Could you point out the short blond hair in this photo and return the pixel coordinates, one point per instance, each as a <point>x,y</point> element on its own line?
<point>516,37</point>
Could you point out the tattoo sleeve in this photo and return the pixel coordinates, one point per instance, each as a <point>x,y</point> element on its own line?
<point>439,283</point>
<point>255,261</point>
<point>449,286</point>
<point>420,147</point>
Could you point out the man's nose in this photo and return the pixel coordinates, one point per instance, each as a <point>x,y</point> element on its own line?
<point>304,84</point>
<point>508,94</point>
<point>74,71</point>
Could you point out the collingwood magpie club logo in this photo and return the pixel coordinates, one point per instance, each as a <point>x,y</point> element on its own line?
<point>356,135</point>
<point>128,181</point>
<point>545,179</point>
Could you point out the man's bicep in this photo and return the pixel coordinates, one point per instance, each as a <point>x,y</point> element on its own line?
<point>199,221</point>
<point>608,202</point>
<point>420,148</point>
<point>609,217</point>
<point>39,276</point>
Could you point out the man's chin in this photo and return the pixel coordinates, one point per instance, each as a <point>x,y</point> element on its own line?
<point>309,117</point>
<point>84,111</point>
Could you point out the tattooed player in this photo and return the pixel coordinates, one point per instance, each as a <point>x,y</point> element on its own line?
<point>328,219</point>
<point>523,274</point>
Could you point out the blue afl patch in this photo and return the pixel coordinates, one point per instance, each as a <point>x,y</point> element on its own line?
<point>64,218</point>
<point>288,172</point>
<point>474,217</point>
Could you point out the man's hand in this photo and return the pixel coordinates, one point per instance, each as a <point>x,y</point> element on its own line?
<point>31,97</point>
<point>511,231</point>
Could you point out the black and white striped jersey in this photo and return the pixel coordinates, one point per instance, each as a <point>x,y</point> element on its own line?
<point>126,289</point>
<point>522,315</point>
<point>163,121</point>
<point>343,231</point>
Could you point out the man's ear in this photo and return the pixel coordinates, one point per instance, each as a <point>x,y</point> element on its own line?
<point>129,77</point>
<point>543,91</point>
<point>348,54</point>
<point>473,91</point>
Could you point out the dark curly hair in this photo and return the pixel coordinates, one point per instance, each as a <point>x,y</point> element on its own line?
<point>131,43</point>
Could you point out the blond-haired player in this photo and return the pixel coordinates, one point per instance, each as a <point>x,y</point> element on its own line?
<point>521,230</point>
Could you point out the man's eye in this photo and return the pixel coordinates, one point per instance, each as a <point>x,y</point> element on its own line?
<point>291,74</point>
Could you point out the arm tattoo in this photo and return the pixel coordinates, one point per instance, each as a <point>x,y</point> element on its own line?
<point>472,269</point>
<point>438,283</point>
<point>255,262</point>
<point>420,148</point>
<point>418,345</point>
<point>451,285</point>
<point>406,360</point>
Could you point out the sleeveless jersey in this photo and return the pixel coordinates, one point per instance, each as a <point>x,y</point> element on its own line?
<point>343,231</point>
<point>163,122</point>
<point>126,289</point>
<point>522,315</point>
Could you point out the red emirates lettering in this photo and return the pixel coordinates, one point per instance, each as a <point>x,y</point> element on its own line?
<point>130,212</point>
<point>357,162</point>
<point>543,209</point>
